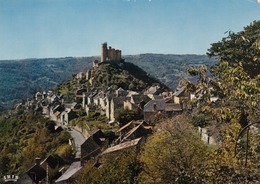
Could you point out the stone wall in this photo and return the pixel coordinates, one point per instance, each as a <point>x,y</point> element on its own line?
<point>82,130</point>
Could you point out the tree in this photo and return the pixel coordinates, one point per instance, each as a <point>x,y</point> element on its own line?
<point>236,79</point>
<point>236,83</point>
<point>174,153</point>
<point>5,163</point>
<point>225,167</point>
<point>65,151</point>
<point>242,48</point>
<point>90,174</point>
<point>117,168</point>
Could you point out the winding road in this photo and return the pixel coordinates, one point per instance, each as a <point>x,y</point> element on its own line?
<point>78,140</point>
<point>75,166</point>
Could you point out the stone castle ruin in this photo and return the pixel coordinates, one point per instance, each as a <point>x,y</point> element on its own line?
<point>110,54</point>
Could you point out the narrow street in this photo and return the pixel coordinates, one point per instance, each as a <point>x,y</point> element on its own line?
<point>76,165</point>
<point>78,140</point>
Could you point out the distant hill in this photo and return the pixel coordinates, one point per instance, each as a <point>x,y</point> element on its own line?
<point>168,68</point>
<point>20,79</point>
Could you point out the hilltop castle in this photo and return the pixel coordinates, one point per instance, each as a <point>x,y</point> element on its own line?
<point>110,54</point>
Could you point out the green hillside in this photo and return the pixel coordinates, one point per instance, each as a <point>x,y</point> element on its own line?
<point>22,78</point>
<point>168,68</point>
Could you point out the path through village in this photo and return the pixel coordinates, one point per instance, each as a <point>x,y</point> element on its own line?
<point>79,139</point>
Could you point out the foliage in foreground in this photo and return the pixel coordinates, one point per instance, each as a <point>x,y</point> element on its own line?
<point>25,136</point>
<point>174,153</point>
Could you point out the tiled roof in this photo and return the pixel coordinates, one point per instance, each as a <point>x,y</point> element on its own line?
<point>36,173</point>
<point>126,125</point>
<point>119,101</point>
<point>179,91</point>
<point>51,161</point>
<point>139,98</point>
<point>153,89</point>
<point>132,131</point>
<point>57,113</point>
<point>173,107</point>
<point>93,94</point>
<point>120,89</point>
<point>88,146</point>
<point>159,104</point>
<point>121,146</point>
<point>73,169</point>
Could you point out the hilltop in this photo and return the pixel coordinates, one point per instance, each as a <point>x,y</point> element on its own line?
<point>109,75</point>
<point>124,74</point>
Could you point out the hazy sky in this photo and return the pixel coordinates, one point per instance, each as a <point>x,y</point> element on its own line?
<point>60,28</point>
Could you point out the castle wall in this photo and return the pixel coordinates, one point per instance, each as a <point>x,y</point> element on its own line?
<point>110,54</point>
<point>104,53</point>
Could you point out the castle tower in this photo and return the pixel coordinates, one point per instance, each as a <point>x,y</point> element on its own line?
<point>104,53</point>
<point>109,52</point>
<point>113,54</point>
<point>118,55</point>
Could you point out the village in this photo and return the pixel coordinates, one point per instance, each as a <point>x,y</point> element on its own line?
<point>153,103</point>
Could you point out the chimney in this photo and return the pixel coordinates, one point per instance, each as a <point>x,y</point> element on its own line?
<point>37,161</point>
<point>154,107</point>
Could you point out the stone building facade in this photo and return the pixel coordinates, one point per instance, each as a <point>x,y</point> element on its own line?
<point>110,54</point>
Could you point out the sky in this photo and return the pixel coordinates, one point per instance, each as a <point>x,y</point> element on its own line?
<point>77,28</point>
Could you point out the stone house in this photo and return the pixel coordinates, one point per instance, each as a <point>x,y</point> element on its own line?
<point>79,93</point>
<point>55,110</point>
<point>90,108</point>
<point>207,136</point>
<point>90,99</point>
<point>39,96</point>
<point>67,115</point>
<point>133,144</point>
<point>70,174</point>
<point>41,170</point>
<point>92,146</point>
<point>116,103</point>
<point>152,108</point>
<point>181,95</point>
<point>133,130</point>
<point>160,107</point>
<point>120,92</point>
<point>34,175</point>
<point>102,103</point>
<point>126,128</point>
<point>136,102</point>
<point>153,91</point>
<point>89,149</point>
<point>54,98</point>
<point>88,75</point>
<point>97,98</point>
<point>80,75</point>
